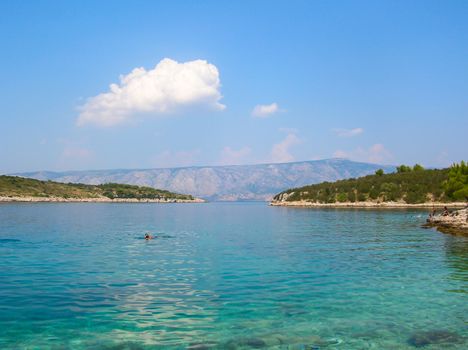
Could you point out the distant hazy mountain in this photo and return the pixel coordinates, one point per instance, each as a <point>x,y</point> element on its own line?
<point>224,183</point>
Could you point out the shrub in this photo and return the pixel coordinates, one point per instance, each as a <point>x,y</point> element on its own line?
<point>403,169</point>
<point>379,172</point>
<point>341,197</point>
<point>418,167</point>
<point>456,185</point>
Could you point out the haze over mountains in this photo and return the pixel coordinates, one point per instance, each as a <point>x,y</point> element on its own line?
<point>223,183</point>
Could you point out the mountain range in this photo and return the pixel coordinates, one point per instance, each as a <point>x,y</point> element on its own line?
<point>223,183</point>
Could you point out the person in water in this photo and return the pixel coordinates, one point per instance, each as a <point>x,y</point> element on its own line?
<point>148,236</point>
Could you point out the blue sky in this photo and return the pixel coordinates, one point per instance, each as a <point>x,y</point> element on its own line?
<point>236,82</point>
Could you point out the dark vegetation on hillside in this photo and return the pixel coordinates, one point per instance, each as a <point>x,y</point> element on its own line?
<point>456,186</point>
<point>13,186</point>
<point>409,184</point>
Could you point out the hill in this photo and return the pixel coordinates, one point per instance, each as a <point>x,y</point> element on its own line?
<point>408,185</point>
<point>13,186</point>
<point>224,183</point>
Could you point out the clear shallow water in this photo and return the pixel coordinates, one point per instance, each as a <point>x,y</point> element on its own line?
<point>227,275</point>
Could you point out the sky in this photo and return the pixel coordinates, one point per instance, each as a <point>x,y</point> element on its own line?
<point>150,84</point>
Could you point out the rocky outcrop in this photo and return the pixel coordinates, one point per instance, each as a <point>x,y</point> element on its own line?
<point>450,222</point>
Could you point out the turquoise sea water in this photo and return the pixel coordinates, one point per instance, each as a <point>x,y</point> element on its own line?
<point>228,276</point>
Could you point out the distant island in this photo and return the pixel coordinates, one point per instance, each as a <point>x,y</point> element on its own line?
<point>254,182</point>
<point>19,189</point>
<point>407,187</point>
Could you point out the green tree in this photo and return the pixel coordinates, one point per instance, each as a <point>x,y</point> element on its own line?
<point>403,169</point>
<point>342,197</point>
<point>361,197</point>
<point>379,172</point>
<point>351,196</point>
<point>390,191</point>
<point>418,167</point>
<point>374,193</point>
<point>456,186</point>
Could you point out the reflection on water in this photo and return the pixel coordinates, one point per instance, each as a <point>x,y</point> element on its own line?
<point>227,276</point>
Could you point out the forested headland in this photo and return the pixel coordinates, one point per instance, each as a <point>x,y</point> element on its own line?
<point>410,185</point>
<point>20,187</point>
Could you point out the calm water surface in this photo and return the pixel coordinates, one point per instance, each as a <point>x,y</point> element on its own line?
<point>227,276</point>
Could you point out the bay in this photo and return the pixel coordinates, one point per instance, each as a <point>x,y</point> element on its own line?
<point>227,276</point>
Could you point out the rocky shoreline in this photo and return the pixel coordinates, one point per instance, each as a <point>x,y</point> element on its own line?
<point>455,222</point>
<point>366,204</point>
<point>96,200</point>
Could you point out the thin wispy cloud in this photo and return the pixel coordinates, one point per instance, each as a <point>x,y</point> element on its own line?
<point>376,153</point>
<point>289,130</point>
<point>230,156</point>
<point>348,132</point>
<point>167,88</point>
<point>265,111</point>
<point>281,152</point>
<point>73,149</point>
<point>74,155</point>
<point>76,152</point>
<point>168,159</point>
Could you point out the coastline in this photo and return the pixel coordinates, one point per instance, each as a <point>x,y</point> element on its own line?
<point>388,205</point>
<point>4,199</point>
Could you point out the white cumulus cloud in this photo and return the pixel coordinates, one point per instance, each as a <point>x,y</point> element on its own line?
<point>348,132</point>
<point>264,111</point>
<point>167,88</point>
<point>280,153</point>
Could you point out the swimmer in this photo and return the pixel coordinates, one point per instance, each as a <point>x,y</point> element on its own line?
<point>148,236</point>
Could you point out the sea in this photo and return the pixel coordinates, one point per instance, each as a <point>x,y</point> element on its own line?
<point>228,276</point>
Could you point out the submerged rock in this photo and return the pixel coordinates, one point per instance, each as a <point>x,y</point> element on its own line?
<point>123,346</point>
<point>424,338</point>
<point>277,341</point>
<point>255,343</point>
<point>312,343</point>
